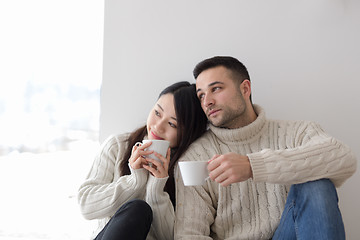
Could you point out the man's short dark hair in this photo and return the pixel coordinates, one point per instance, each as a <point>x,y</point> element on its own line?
<point>238,70</point>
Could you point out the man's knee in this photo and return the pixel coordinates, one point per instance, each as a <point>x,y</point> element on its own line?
<point>316,210</point>
<point>320,192</point>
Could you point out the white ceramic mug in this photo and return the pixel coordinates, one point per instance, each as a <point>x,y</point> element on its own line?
<point>194,172</point>
<point>159,146</point>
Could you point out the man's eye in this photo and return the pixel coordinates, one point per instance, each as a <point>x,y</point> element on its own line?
<point>215,89</point>
<point>201,96</point>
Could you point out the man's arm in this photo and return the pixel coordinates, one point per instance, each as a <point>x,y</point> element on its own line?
<point>309,155</point>
<point>315,155</point>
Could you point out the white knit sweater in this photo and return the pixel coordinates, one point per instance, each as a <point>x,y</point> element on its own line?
<point>281,153</point>
<point>104,191</point>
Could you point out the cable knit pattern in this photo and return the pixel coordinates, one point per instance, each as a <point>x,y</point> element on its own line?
<point>281,153</point>
<point>104,191</point>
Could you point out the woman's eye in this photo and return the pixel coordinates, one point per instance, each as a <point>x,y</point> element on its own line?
<point>157,113</point>
<point>172,125</point>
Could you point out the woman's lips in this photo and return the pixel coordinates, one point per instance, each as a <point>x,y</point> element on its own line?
<point>156,137</point>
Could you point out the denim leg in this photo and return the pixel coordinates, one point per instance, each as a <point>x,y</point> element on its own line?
<point>131,221</point>
<point>311,212</point>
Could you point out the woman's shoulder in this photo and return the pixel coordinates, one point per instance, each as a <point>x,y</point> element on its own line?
<point>117,137</point>
<point>117,141</point>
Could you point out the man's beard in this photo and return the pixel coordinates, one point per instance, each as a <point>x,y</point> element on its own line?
<point>230,117</point>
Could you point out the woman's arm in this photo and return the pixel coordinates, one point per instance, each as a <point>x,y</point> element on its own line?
<point>103,192</point>
<point>163,210</point>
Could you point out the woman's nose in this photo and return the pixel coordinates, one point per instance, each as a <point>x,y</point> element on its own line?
<point>160,126</point>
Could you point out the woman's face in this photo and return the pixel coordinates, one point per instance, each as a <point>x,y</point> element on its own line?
<point>161,123</point>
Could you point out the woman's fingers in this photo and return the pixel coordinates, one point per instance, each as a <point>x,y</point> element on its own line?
<point>140,150</point>
<point>159,168</point>
<point>168,154</point>
<point>137,159</point>
<point>140,147</point>
<point>152,170</point>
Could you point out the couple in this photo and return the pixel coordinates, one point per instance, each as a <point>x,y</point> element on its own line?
<point>268,178</point>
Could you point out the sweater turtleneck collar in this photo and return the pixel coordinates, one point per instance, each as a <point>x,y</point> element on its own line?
<point>243,133</point>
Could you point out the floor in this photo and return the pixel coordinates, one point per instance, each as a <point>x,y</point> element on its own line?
<point>38,195</point>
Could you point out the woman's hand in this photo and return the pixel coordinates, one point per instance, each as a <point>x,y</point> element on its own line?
<point>137,159</point>
<point>159,169</point>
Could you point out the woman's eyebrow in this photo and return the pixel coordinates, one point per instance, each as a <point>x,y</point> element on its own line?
<point>160,107</point>
<point>163,110</point>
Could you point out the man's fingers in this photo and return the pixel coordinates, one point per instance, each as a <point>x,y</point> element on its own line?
<point>214,162</point>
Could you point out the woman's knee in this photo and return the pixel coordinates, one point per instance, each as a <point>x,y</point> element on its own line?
<point>141,207</point>
<point>131,221</point>
<point>136,207</point>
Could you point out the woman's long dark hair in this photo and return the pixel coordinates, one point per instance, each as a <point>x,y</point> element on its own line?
<point>191,124</point>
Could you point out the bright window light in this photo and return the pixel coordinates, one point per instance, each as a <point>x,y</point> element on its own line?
<point>51,71</point>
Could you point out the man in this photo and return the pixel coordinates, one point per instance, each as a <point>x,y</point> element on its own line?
<point>253,161</point>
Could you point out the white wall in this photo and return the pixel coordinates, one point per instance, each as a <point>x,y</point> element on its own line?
<point>303,58</point>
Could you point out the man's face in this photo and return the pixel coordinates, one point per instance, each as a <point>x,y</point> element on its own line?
<point>221,98</point>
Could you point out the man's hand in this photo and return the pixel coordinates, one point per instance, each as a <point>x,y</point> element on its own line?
<point>229,168</point>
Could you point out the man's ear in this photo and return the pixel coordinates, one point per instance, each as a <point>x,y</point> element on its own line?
<point>245,88</point>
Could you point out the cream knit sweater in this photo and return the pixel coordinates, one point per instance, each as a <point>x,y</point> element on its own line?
<point>281,153</point>
<point>104,191</point>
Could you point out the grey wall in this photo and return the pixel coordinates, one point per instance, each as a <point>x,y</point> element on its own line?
<point>303,58</point>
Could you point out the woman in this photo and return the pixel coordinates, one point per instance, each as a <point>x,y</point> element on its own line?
<point>124,191</point>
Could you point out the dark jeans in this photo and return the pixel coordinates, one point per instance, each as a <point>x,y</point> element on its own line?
<point>311,212</point>
<point>132,221</point>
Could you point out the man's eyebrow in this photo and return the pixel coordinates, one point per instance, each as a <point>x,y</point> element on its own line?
<point>211,84</point>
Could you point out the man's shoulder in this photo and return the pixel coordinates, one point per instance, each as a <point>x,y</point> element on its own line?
<point>206,138</point>
<point>299,128</point>
<point>291,123</point>
<point>201,145</point>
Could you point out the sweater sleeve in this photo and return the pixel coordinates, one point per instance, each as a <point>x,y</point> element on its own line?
<point>194,207</point>
<point>163,210</point>
<point>101,195</point>
<point>306,154</point>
